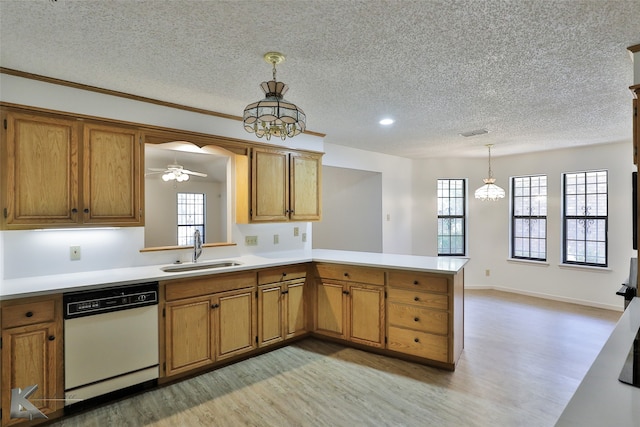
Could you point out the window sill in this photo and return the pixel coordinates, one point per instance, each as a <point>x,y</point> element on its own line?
<point>528,262</point>
<point>585,267</point>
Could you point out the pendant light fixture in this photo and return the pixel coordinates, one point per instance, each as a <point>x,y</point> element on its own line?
<point>489,191</point>
<point>274,115</point>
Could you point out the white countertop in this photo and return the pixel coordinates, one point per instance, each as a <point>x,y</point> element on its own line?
<point>601,399</point>
<point>42,285</point>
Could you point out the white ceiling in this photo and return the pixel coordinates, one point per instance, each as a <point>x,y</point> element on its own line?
<point>538,74</point>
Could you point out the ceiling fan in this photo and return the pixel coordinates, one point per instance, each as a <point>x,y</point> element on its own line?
<point>176,172</point>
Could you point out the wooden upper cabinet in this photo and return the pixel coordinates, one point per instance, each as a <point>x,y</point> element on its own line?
<point>112,169</point>
<point>61,172</point>
<point>270,184</point>
<point>305,173</point>
<point>285,185</point>
<point>40,163</point>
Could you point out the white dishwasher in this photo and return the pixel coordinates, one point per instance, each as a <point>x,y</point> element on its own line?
<point>110,341</point>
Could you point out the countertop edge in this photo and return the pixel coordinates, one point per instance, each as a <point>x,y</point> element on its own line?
<point>72,282</point>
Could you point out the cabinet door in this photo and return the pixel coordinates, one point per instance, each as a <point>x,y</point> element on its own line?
<point>270,185</point>
<point>41,170</point>
<point>188,335</point>
<point>305,171</point>
<point>235,322</point>
<point>366,314</point>
<point>112,176</point>
<point>296,314</point>
<point>270,314</point>
<point>330,309</point>
<point>31,356</point>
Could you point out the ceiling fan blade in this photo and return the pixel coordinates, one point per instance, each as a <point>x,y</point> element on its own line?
<point>204,175</point>
<point>157,169</point>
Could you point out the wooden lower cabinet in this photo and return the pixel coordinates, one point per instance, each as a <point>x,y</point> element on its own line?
<point>282,310</point>
<point>32,354</point>
<point>188,335</point>
<point>206,320</point>
<point>425,315</point>
<point>234,322</point>
<point>347,309</point>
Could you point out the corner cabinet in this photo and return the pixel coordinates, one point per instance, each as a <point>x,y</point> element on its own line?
<point>285,185</point>
<point>32,354</point>
<point>60,172</point>
<point>350,304</point>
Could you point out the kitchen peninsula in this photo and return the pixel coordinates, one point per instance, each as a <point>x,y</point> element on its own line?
<point>404,306</point>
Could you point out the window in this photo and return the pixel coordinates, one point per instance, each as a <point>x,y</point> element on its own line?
<point>585,218</point>
<point>190,217</point>
<point>529,217</point>
<point>451,216</point>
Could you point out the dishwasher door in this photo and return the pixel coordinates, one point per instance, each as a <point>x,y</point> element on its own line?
<point>110,351</point>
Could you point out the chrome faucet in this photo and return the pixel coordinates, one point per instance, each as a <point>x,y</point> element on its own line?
<point>197,245</point>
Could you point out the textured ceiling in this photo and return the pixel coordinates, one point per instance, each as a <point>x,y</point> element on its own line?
<point>538,74</point>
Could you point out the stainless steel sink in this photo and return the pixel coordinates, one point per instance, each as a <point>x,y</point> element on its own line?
<point>177,268</point>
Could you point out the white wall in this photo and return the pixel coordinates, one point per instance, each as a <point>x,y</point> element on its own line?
<point>488,223</point>
<point>351,211</point>
<point>397,233</point>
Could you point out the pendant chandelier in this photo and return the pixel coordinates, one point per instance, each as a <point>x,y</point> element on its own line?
<point>489,191</point>
<point>274,115</point>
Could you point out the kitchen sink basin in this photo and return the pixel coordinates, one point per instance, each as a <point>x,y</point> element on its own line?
<point>192,266</point>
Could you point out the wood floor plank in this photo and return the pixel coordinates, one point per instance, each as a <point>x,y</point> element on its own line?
<point>523,359</point>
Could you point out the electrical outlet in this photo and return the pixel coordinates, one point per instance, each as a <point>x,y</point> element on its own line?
<point>487,272</point>
<point>74,252</point>
<point>296,231</point>
<point>251,240</point>
<point>276,239</point>
<point>304,237</point>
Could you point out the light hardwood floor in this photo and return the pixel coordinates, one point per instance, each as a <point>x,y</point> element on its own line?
<point>523,359</point>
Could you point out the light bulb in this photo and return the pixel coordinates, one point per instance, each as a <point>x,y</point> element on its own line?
<point>166,177</point>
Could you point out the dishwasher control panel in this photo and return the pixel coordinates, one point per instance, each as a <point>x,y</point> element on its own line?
<point>87,303</point>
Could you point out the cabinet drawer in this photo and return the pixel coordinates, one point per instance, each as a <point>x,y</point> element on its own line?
<point>419,281</point>
<point>350,273</point>
<point>422,299</point>
<point>193,287</point>
<point>418,318</point>
<point>280,274</point>
<point>28,313</point>
<point>434,347</point>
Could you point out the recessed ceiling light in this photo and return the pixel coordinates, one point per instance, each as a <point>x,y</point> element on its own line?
<point>386,122</point>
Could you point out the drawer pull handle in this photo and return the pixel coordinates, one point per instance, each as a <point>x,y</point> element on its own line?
<point>416,319</point>
<point>415,282</point>
<point>29,314</point>
<point>416,299</point>
<point>416,340</point>
<point>51,338</point>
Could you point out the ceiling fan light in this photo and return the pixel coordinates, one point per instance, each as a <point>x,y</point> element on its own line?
<point>166,177</point>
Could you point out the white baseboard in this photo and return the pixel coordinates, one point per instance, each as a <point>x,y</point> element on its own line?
<point>548,296</point>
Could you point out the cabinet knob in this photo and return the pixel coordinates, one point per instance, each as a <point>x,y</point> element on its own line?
<point>415,282</point>
<point>345,292</point>
<point>74,210</point>
<point>51,337</point>
<point>285,292</point>
<point>416,299</point>
<point>346,274</point>
<point>284,274</point>
<point>416,340</point>
<point>29,314</point>
<point>86,210</point>
<point>416,319</point>
<point>215,305</point>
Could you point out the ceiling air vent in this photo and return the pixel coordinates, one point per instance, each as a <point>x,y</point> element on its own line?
<point>474,133</point>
